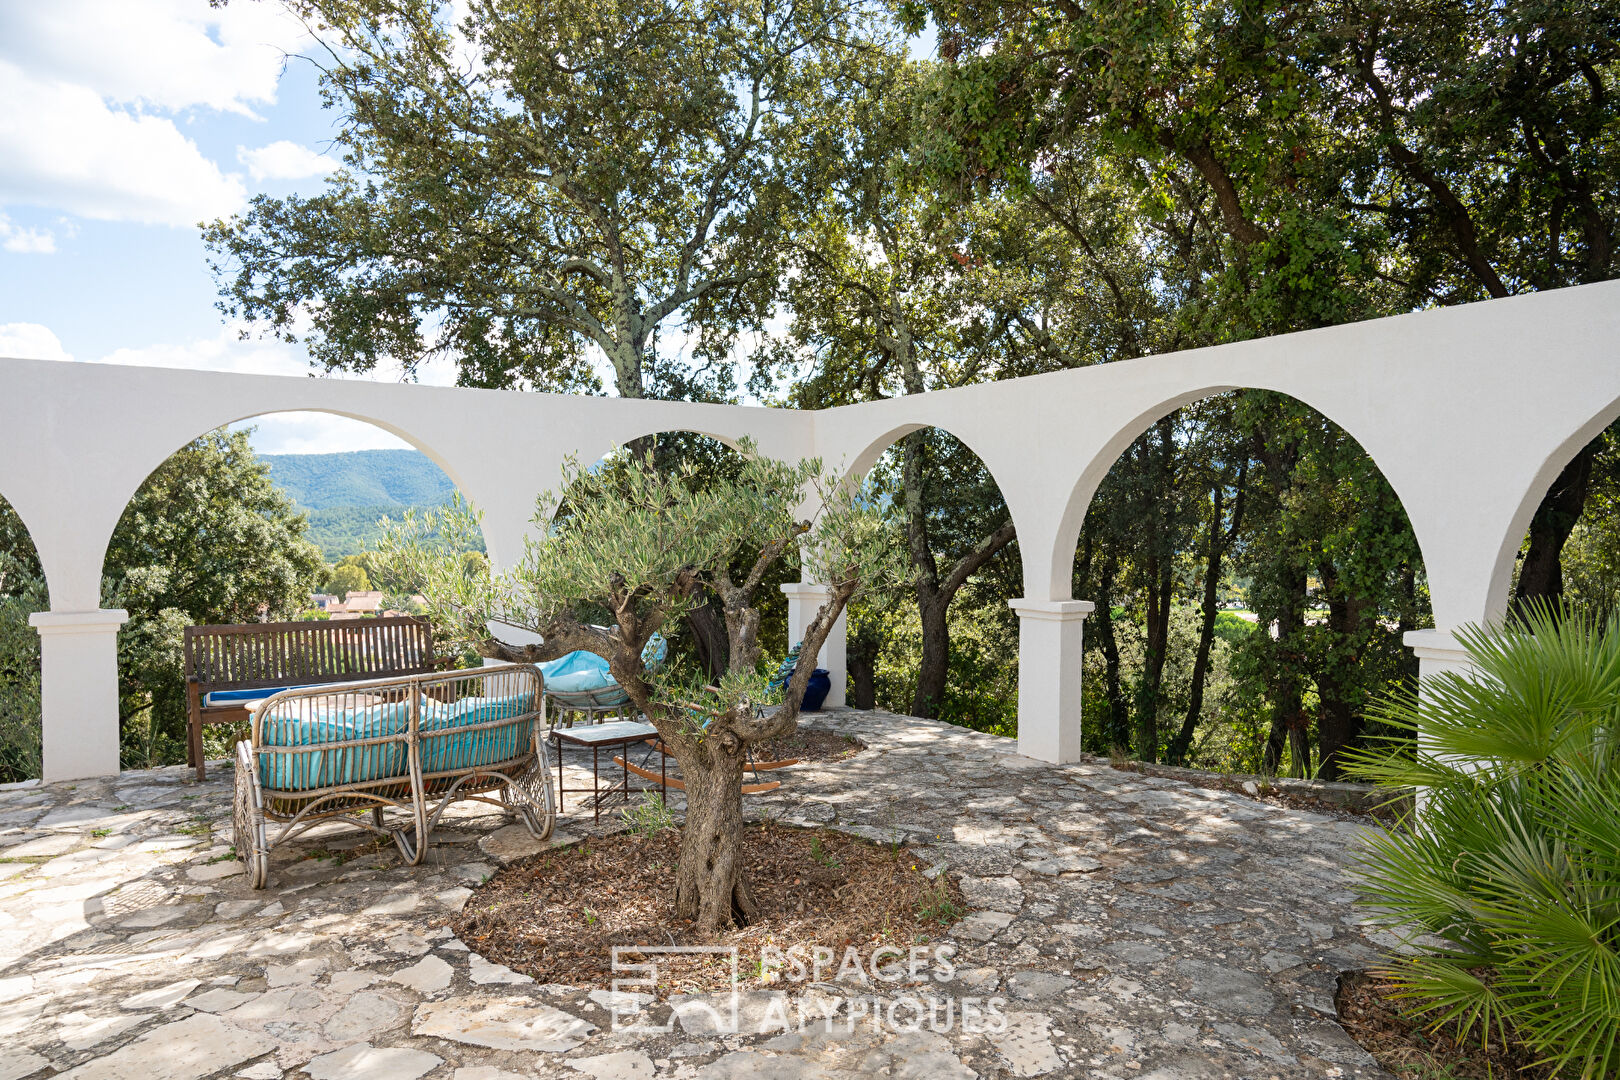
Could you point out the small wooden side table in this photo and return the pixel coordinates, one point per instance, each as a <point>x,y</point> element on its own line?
<point>616,734</point>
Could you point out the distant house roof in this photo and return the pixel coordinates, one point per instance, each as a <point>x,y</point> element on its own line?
<point>363,601</point>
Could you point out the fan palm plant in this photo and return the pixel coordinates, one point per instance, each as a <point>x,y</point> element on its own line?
<point>1506,884</point>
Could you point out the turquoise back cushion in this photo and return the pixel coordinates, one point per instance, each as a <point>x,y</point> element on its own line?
<point>447,746</point>
<point>327,767</point>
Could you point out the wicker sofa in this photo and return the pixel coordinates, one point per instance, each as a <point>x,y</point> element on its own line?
<point>389,755</point>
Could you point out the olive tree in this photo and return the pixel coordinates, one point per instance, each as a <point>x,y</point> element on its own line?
<point>642,544</point>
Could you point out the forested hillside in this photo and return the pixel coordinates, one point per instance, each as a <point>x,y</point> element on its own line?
<point>346,495</point>
<point>359,478</point>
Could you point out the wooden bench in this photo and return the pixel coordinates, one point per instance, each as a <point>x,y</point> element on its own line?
<point>228,666</point>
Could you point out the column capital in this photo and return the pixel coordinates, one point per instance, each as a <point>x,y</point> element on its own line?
<point>103,621</point>
<point>810,589</point>
<point>1435,645</point>
<point>1051,610</point>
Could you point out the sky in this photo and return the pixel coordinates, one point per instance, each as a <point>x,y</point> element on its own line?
<point>123,124</point>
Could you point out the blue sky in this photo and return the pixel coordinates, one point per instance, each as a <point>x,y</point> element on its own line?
<point>123,123</point>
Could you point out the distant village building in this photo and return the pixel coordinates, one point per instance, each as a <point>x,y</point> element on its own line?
<point>360,605</point>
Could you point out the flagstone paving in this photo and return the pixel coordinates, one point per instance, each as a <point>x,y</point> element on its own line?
<point>1133,927</point>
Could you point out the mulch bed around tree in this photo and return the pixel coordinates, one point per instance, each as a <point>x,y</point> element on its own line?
<point>809,744</point>
<point>1411,1051</point>
<point>558,916</point>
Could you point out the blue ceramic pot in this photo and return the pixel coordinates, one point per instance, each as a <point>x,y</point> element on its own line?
<point>815,691</point>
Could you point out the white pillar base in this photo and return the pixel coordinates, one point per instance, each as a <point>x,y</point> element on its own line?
<point>1050,662</point>
<point>1437,652</point>
<point>79,692</point>
<point>804,600</point>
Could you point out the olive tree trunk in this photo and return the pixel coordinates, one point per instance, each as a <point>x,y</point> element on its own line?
<point>710,887</point>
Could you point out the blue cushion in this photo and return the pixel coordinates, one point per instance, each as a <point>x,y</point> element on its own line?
<point>580,671</point>
<point>445,749</point>
<point>326,768</point>
<point>223,697</point>
<point>577,671</point>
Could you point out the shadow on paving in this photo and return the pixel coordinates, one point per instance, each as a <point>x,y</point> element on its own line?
<point>1127,926</point>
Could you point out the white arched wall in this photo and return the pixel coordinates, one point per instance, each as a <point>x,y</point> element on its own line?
<point>426,448</point>
<point>1539,484</point>
<point>881,428</point>
<point>1469,411</point>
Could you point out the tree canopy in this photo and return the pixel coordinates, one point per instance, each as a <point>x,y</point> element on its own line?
<point>544,180</point>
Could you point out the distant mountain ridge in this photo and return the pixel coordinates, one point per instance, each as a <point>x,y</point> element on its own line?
<point>368,478</point>
<point>346,495</point>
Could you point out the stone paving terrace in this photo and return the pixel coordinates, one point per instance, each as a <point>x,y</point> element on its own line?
<point>1137,927</point>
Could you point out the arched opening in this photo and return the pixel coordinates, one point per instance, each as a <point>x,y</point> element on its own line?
<point>1253,573</point>
<point>22,593</point>
<point>700,640</point>
<point>1570,550</point>
<point>269,521</point>
<point>946,648</point>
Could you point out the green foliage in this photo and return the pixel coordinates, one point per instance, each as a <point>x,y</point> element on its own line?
<point>1512,868</point>
<point>936,904</point>
<point>207,538</point>
<point>981,691</point>
<point>344,580</point>
<point>1347,159</point>
<point>342,531</point>
<point>637,541</point>
<point>22,592</point>
<point>648,816</point>
<point>641,180</point>
<point>359,478</point>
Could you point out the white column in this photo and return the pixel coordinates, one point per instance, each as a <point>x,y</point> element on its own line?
<point>1436,651</point>
<point>79,692</point>
<point>804,600</point>
<point>1050,661</point>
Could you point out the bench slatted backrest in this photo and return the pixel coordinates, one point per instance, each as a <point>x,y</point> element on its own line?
<point>252,656</point>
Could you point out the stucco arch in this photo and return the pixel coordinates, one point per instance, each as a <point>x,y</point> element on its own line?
<point>589,458</point>
<point>1097,467</point>
<point>394,429</point>
<point>1530,499</point>
<point>873,443</point>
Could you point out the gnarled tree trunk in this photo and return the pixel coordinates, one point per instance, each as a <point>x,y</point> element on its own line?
<point>710,888</point>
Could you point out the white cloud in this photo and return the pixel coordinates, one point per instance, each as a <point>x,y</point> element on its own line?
<point>16,238</point>
<point>63,146</point>
<point>317,433</point>
<point>283,160</point>
<point>163,54</point>
<point>92,90</point>
<point>30,341</point>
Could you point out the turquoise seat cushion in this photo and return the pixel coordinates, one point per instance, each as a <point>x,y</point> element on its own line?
<point>446,747</point>
<point>328,767</point>
<point>580,672</point>
<point>577,672</point>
